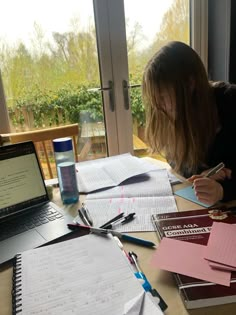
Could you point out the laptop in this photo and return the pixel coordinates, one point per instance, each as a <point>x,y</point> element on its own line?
<point>27,217</point>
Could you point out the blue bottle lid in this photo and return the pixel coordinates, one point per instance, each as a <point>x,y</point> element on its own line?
<point>62,144</point>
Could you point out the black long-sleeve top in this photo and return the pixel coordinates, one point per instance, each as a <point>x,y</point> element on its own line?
<point>224,146</point>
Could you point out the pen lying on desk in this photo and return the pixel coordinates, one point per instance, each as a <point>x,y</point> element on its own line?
<point>85,215</point>
<point>117,217</point>
<point>146,284</point>
<point>122,236</point>
<point>128,218</point>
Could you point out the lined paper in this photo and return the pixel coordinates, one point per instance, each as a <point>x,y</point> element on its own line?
<point>110,171</point>
<point>88,275</point>
<point>102,210</point>
<point>145,195</point>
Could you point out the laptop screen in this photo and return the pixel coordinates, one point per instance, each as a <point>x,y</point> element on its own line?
<point>21,180</point>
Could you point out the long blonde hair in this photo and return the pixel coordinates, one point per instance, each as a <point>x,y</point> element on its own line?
<point>185,137</point>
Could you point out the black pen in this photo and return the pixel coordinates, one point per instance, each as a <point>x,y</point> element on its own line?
<point>117,217</point>
<point>86,213</point>
<point>85,216</point>
<point>128,218</point>
<point>125,220</point>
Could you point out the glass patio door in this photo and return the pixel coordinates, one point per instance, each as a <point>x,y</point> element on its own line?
<point>82,61</point>
<point>49,66</point>
<point>129,32</point>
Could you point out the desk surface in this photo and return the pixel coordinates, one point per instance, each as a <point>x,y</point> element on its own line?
<point>160,279</point>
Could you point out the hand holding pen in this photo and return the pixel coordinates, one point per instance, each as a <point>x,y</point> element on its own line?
<point>219,172</point>
<point>207,189</point>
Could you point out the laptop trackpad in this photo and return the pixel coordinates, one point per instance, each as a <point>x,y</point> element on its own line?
<point>19,243</point>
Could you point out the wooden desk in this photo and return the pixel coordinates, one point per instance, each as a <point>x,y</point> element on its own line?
<point>161,280</point>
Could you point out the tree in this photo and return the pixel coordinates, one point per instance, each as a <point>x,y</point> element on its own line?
<point>175,25</point>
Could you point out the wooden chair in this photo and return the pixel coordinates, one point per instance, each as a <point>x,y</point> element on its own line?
<point>43,143</point>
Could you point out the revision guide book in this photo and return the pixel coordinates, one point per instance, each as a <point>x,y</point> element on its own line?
<point>195,226</point>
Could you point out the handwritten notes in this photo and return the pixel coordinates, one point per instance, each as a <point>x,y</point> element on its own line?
<point>110,171</point>
<point>144,194</point>
<point>88,275</point>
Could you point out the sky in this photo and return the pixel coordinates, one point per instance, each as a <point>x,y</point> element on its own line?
<point>18,16</point>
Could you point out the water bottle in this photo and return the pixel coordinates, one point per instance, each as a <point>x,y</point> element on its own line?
<point>66,171</point>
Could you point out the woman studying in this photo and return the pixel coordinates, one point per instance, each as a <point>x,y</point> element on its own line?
<point>191,121</point>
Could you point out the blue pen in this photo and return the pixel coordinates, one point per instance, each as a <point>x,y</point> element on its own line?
<point>133,239</point>
<point>145,283</point>
<point>139,274</point>
<point>122,236</point>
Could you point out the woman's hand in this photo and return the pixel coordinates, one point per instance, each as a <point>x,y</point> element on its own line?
<point>208,190</point>
<point>223,174</point>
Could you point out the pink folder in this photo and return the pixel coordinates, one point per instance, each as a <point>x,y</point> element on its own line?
<point>221,246</point>
<point>187,259</point>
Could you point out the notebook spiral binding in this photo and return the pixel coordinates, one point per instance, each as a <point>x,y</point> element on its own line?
<point>16,290</point>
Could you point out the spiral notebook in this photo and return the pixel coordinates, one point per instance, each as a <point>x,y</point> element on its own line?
<point>87,275</point>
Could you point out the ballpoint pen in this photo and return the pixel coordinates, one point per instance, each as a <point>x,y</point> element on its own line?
<point>139,274</point>
<point>117,217</point>
<point>86,213</point>
<point>122,249</point>
<point>129,217</point>
<point>214,170</point>
<point>122,236</point>
<point>146,284</point>
<point>125,220</point>
<point>85,216</point>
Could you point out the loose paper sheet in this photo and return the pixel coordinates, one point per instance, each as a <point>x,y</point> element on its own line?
<point>221,246</point>
<point>187,259</point>
<point>102,210</point>
<point>110,171</point>
<point>144,194</point>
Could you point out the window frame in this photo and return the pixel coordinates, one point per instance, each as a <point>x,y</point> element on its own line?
<point>113,63</point>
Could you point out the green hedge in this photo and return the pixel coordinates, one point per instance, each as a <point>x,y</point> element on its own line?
<point>67,105</point>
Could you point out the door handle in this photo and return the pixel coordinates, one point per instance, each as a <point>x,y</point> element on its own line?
<point>110,89</point>
<point>126,88</point>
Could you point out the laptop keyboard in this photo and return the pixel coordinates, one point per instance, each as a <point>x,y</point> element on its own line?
<point>41,215</point>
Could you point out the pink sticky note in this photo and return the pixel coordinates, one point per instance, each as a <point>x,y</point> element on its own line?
<point>187,259</point>
<point>222,244</point>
